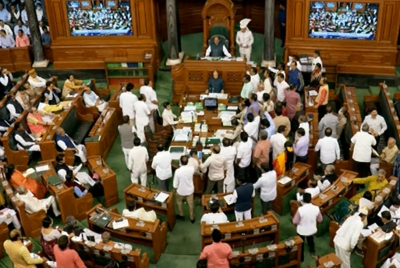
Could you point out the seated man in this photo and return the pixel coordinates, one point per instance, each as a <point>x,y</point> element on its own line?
<point>25,141</point>
<point>377,125</point>
<point>216,216</point>
<point>36,81</point>
<point>217,49</point>
<point>168,116</point>
<point>312,189</point>
<point>36,124</point>
<point>215,84</point>
<point>62,170</point>
<point>140,214</point>
<point>71,86</point>
<point>92,100</point>
<point>64,142</point>
<point>52,94</point>
<point>32,204</point>
<point>376,183</point>
<point>388,155</point>
<point>23,98</point>
<point>9,216</point>
<point>14,108</point>
<point>329,178</point>
<point>79,190</point>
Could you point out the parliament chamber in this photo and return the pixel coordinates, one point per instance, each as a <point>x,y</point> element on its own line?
<point>168,46</point>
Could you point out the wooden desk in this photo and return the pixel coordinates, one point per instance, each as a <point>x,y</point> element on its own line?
<point>191,76</point>
<point>151,234</point>
<point>377,252</point>
<point>4,231</point>
<point>144,197</point>
<point>332,197</point>
<point>269,257</point>
<point>67,202</point>
<point>389,112</point>
<point>252,231</point>
<point>298,174</point>
<point>205,200</point>
<point>103,134</point>
<point>383,195</point>
<point>329,258</point>
<point>133,259</point>
<point>114,103</point>
<point>96,164</point>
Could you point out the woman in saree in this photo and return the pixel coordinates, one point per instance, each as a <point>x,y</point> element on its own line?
<point>48,237</point>
<point>16,178</point>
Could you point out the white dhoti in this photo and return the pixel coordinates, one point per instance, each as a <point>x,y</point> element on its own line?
<point>81,152</point>
<point>140,129</point>
<point>84,178</point>
<point>50,201</point>
<point>245,52</point>
<point>142,174</point>
<point>229,182</point>
<point>102,106</point>
<point>126,155</point>
<point>151,122</point>
<point>344,256</point>
<point>243,215</point>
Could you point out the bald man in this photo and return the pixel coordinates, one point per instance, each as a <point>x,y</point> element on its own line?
<point>64,142</point>
<point>390,152</point>
<point>18,253</point>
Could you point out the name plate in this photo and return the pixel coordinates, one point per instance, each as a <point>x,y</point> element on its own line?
<point>247,259</point>
<point>259,257</point>
<point>163,205</point>
<point>5,183</point>
<point>330,202</point>
<point>235,253</point>
<point>256,231</point>
<point>9,191</point>
<point>253,251</point>
<point>262,220</point>
<point>107,255</point>
<point>214,227</point>
<point>294,248</point>
<point>131,259</point>
<point>343,179</point>
<point>273,227</point>
<point>96,252</point>
<point>239,224</point>
<point>140,199</point>
<point>393,182</point>
<point>271,255</point>
<point>228,236</point>
<point>386,190</point>
<point>322,196</point>
<point>272,247</point>
<point>378,198</point>
<point>294,169</point>
<point>86,249</point>
<point>329,264</point>
<point>148,235</point>
<point>140,224</point>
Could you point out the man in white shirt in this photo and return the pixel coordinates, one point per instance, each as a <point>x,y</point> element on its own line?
<point>142,114</point>
<point>194,160</point>
<point>267,184</point>
<point>184,187</point>
<point>306,219</point>
<point>32,204</point>
<point>278,141</point>
<point>25,141</point>
<point>244,39</point>
<point>229,152</point>
<point>243,158</point>
<point>6,28</point>
<point>168,116</point>
<point>217,166</point>
<point>62,170</point>
<point>328,149</point>
<point>252,128</point>
<point>137,163</point>
<point>361,144</point>
<point>216,216</point>
<point>162,165</point>
<point>36,81</point>
<point>126,101</point>
<point>328,179</point>
<point>151,99</point>
<point>281,86</point>
<point>312,189</point>
<point>377,125</point>
<point>140,214</point>
<point>242,197</point>
<point>91,99</point>
<point>347,236</point>
<point>64,142</point>
<point>317,59</point>
<point>254,78</point>
<point>328,121</point>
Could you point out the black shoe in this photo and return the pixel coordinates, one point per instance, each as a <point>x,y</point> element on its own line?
<point>179,217</point>
<point>359,252</point>
<point>192,221</point>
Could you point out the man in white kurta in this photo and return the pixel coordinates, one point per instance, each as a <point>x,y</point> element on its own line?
<point>126,101</point>
<point>32,204</point>
<point>34,80</point>
<point>229,152</point>
<point>347,236</point>
<point>142,114</point>
<point>151,100</point>
<point>244,39</point>
<point>137,163</point>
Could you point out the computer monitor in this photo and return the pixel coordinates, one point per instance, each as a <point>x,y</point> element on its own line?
<point>210,103</point>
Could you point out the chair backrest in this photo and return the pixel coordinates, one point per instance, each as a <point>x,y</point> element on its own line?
<point>157,118</point>
<point>222,39</point>
<point>69,123</point>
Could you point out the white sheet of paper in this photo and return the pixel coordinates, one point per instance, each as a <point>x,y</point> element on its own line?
<point>228,199</point>
<point>42,168</point>
<point>284,180</point>
<point>162,197</point>
<point>384,208</point>
<point>312,93</point>
<point>373,227</point>
<point>366,232</point>
<point>273,70</point>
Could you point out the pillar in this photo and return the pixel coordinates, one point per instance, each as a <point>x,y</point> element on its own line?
<point>174,44</point>
<point>269,35</point>
<point>39,60</point>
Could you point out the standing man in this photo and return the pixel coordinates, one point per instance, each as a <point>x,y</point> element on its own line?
<point>151,99</point>
<point>183,185</point>
<point>296,77</point>
<point>377,125</point>
<point>229,152</point>
<point>292,101</point>
<point>126,101</point>
<point>217,254</point>
<point>306,219</point>
<point>267,184</point>
<point>217,166</point>
<point>162,165</point>
<point>244,39</point>
<point>361,144</point>
<point>142,115</point>
<point>127,133</point>
<point>300,146</point>
<point>328,121</point>
<point>278,141</point>
<point>243,158</point>
<point>137,163</point>
<point>247,88</point>
<point>328,149</point>
<point>282,22</point>
<point>347,236</point>
<point>281,86</point>
<point>261,152</point>
<point>18,253</point>
<point>242,197</point>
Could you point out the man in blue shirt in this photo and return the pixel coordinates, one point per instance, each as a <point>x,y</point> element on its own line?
<point>3,12</point>
<point>7,41</point>
<point>46,40</point>
<point>215,84</point>
<point>282,22</point>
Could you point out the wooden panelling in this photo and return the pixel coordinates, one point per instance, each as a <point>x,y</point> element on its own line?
<point>298,27</point>
<point>141,13</point>
<point>398,56</point>
<point>6,59</point>
<point>387,21</point>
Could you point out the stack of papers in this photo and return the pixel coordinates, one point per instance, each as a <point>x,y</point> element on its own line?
<point>220,133</point>
<point>187,117</point>
<point>312,93</point>
<point>189,108</point>
<point>177,151</point>
<point>162,197</point>
<point>226,116</point>
<point>181,135</point>
<point>285,180</point>
<point>229,199</point>
<point>232,108</point>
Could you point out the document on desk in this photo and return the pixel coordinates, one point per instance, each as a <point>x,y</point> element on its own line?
<point>229,199</point>
<point>162,197</point>
<point>312,93</point>
<point>220,133</point>
<point>226,115</point>
<point>231,108</point>
<point>285,180</point>
<point>42,168</point>
<point>366,232</point>
<point>120,224</point>
<point>373,227</point>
